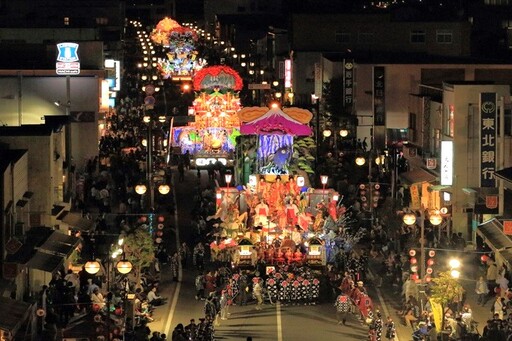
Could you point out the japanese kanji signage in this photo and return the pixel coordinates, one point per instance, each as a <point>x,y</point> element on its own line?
<point>446,163</point>
<point>348,83</point>
<point>488,124</point>
<point>379,96</point>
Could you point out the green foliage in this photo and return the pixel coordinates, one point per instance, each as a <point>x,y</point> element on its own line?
<point>333,97</point>
<point>139,249</point>
<point>445,288</point>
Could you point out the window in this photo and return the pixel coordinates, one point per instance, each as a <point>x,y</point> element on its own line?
<point>444,36</point>
<point>102,21</point>
<point>66,21</point>
<point>418,36</point>
<point>366,38</point>
<point>342,37</point>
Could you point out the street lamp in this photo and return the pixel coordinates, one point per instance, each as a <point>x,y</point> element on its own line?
<point>343,132</point>
<point>323,180</point>
<point>164,189</point>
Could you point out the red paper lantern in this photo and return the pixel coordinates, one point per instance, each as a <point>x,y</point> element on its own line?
<point>412,252</point>
<point>413,260</point>
<point>429,271</point>
<point>428,278</point>
<point>161,219</point>
<point>143,219</point>
<point>484,258</point>
<point>159,233</point>
<point>414,277</point>
<point>430,262</point>
<point>431,253</point>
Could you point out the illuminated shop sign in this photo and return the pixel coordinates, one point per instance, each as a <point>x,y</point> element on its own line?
<point>288,73</point>
<point>68,62</point>
<point>487,139</point>
<point>348,82</point>
<point>446,163</point>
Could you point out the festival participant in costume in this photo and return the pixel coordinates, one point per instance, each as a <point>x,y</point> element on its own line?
<point>261,213</point>
<point>295,292</point>
<point>377,327</point>
<point>319,216</point>
<point>277,190</point>
<point>291,187</point>
<point>289,256</point>
<point>315,290</point>
<point>332,210</point>
<point>284,292</point>
<point>297,236</point>
<point>342,305</point>
<point>271,285</point>
<point>297,256</point>
<point>390,329</point>
<point>292,211</point>
<point>306,291</point>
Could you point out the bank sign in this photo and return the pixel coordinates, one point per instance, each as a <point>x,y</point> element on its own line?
<point>68,62</point>
<point>488,104</point>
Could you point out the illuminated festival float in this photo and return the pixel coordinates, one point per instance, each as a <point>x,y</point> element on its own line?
<point>275,214</point>
<point>211,138</point>
<point>179,44</point>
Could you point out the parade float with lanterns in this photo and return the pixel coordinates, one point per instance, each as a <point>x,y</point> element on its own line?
<point>211,137</point>
<point>180,47</point>
<point>275,216</point>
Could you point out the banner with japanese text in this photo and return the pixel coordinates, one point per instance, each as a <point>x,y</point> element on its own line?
<point>379,96</point>
<point>415,197</point>
<point>488,125</point>
<point>348,84</point>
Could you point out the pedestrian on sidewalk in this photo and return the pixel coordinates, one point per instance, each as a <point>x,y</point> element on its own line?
<point>224,305</point>
<point>481,290</point>
<point>200,285</point>
<point>257,291</point>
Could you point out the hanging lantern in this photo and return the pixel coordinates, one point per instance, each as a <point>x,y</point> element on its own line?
<point>429,270</point>
<point>428,279</point>
<point>414,277</point>
<point>414,268</point>
<point>413,260</point>
<point>161,219</point>
<point>143,219</point>
<point>431,253</point>
<point>124,267</point>
<point>160,226</point>
<point>164,189</point>
<point>412,252</point>
<point>409,219</point>
<point>140,189</point>
<point>484,258</point>
<point>159,233</point>
<point>430,262</point>
<point>158,240</point>
<point>435,219</point>
<point>92,267</point>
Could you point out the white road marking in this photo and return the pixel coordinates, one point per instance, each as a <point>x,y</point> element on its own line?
<point>279,324</point>
<point>384,306</point>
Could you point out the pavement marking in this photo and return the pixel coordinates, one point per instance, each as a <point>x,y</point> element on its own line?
<point>279,324</point>
<point>384,306</point>
<point>180,270</point>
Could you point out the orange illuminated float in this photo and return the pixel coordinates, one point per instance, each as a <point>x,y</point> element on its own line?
<point>211,137</point>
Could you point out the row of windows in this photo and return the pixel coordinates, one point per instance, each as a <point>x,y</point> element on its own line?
<point>416,37</point>
<point>99,21</point>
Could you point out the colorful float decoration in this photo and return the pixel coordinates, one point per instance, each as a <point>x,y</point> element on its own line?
<point>179,45</point>
<point>211,138</point>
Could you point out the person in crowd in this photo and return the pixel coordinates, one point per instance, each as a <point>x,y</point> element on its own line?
<point>343,307</point>
<point>257,291</point>
<point>482,290</point>
<point>390,329</point>
<point>224,305</point>
<point>154,299</point>
<point>97,299</point>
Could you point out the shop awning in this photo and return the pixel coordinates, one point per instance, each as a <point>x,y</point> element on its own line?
<point>60,244</point>
<point>440,188</point>
<point>417,175</point>
<point>492,232</point>
<point>45,262</point>
<point>76,221</point>
<point>505,174</point>
<point>17,313</point>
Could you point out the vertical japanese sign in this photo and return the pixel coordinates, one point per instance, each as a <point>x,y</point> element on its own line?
<point>348,84</point>
<point>446,163</point>
<point>379,96</point>
<point>415,197</point>
<point>488,101</point>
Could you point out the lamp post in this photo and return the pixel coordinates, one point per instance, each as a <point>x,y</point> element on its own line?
<point>316,104</point>
<point>123,267</point>
<point>323,180</point>
<point>410,219</point>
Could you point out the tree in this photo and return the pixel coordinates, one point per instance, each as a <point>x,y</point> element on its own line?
<point>139,249</point>
<point>445,290</point>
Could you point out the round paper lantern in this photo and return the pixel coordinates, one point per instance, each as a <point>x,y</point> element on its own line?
<point>143,219</point>
<point>92,267</point>
<point>413,260</point>
<point>124,267</point>
<point>429,271</point>
<point>414,277</point>
<point>161,219</point>
<point>409,219</point>
<point>40,312</point>
<point>159,233</point>
<point>414,268</point>
<point>160,226</point>
<point>435,219</point>
<point>412,252</point>
<point>430,262</point>
<point>428,278</point>
<point>484,258</point>
<point>431,253</point>
<point>158,240</point>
